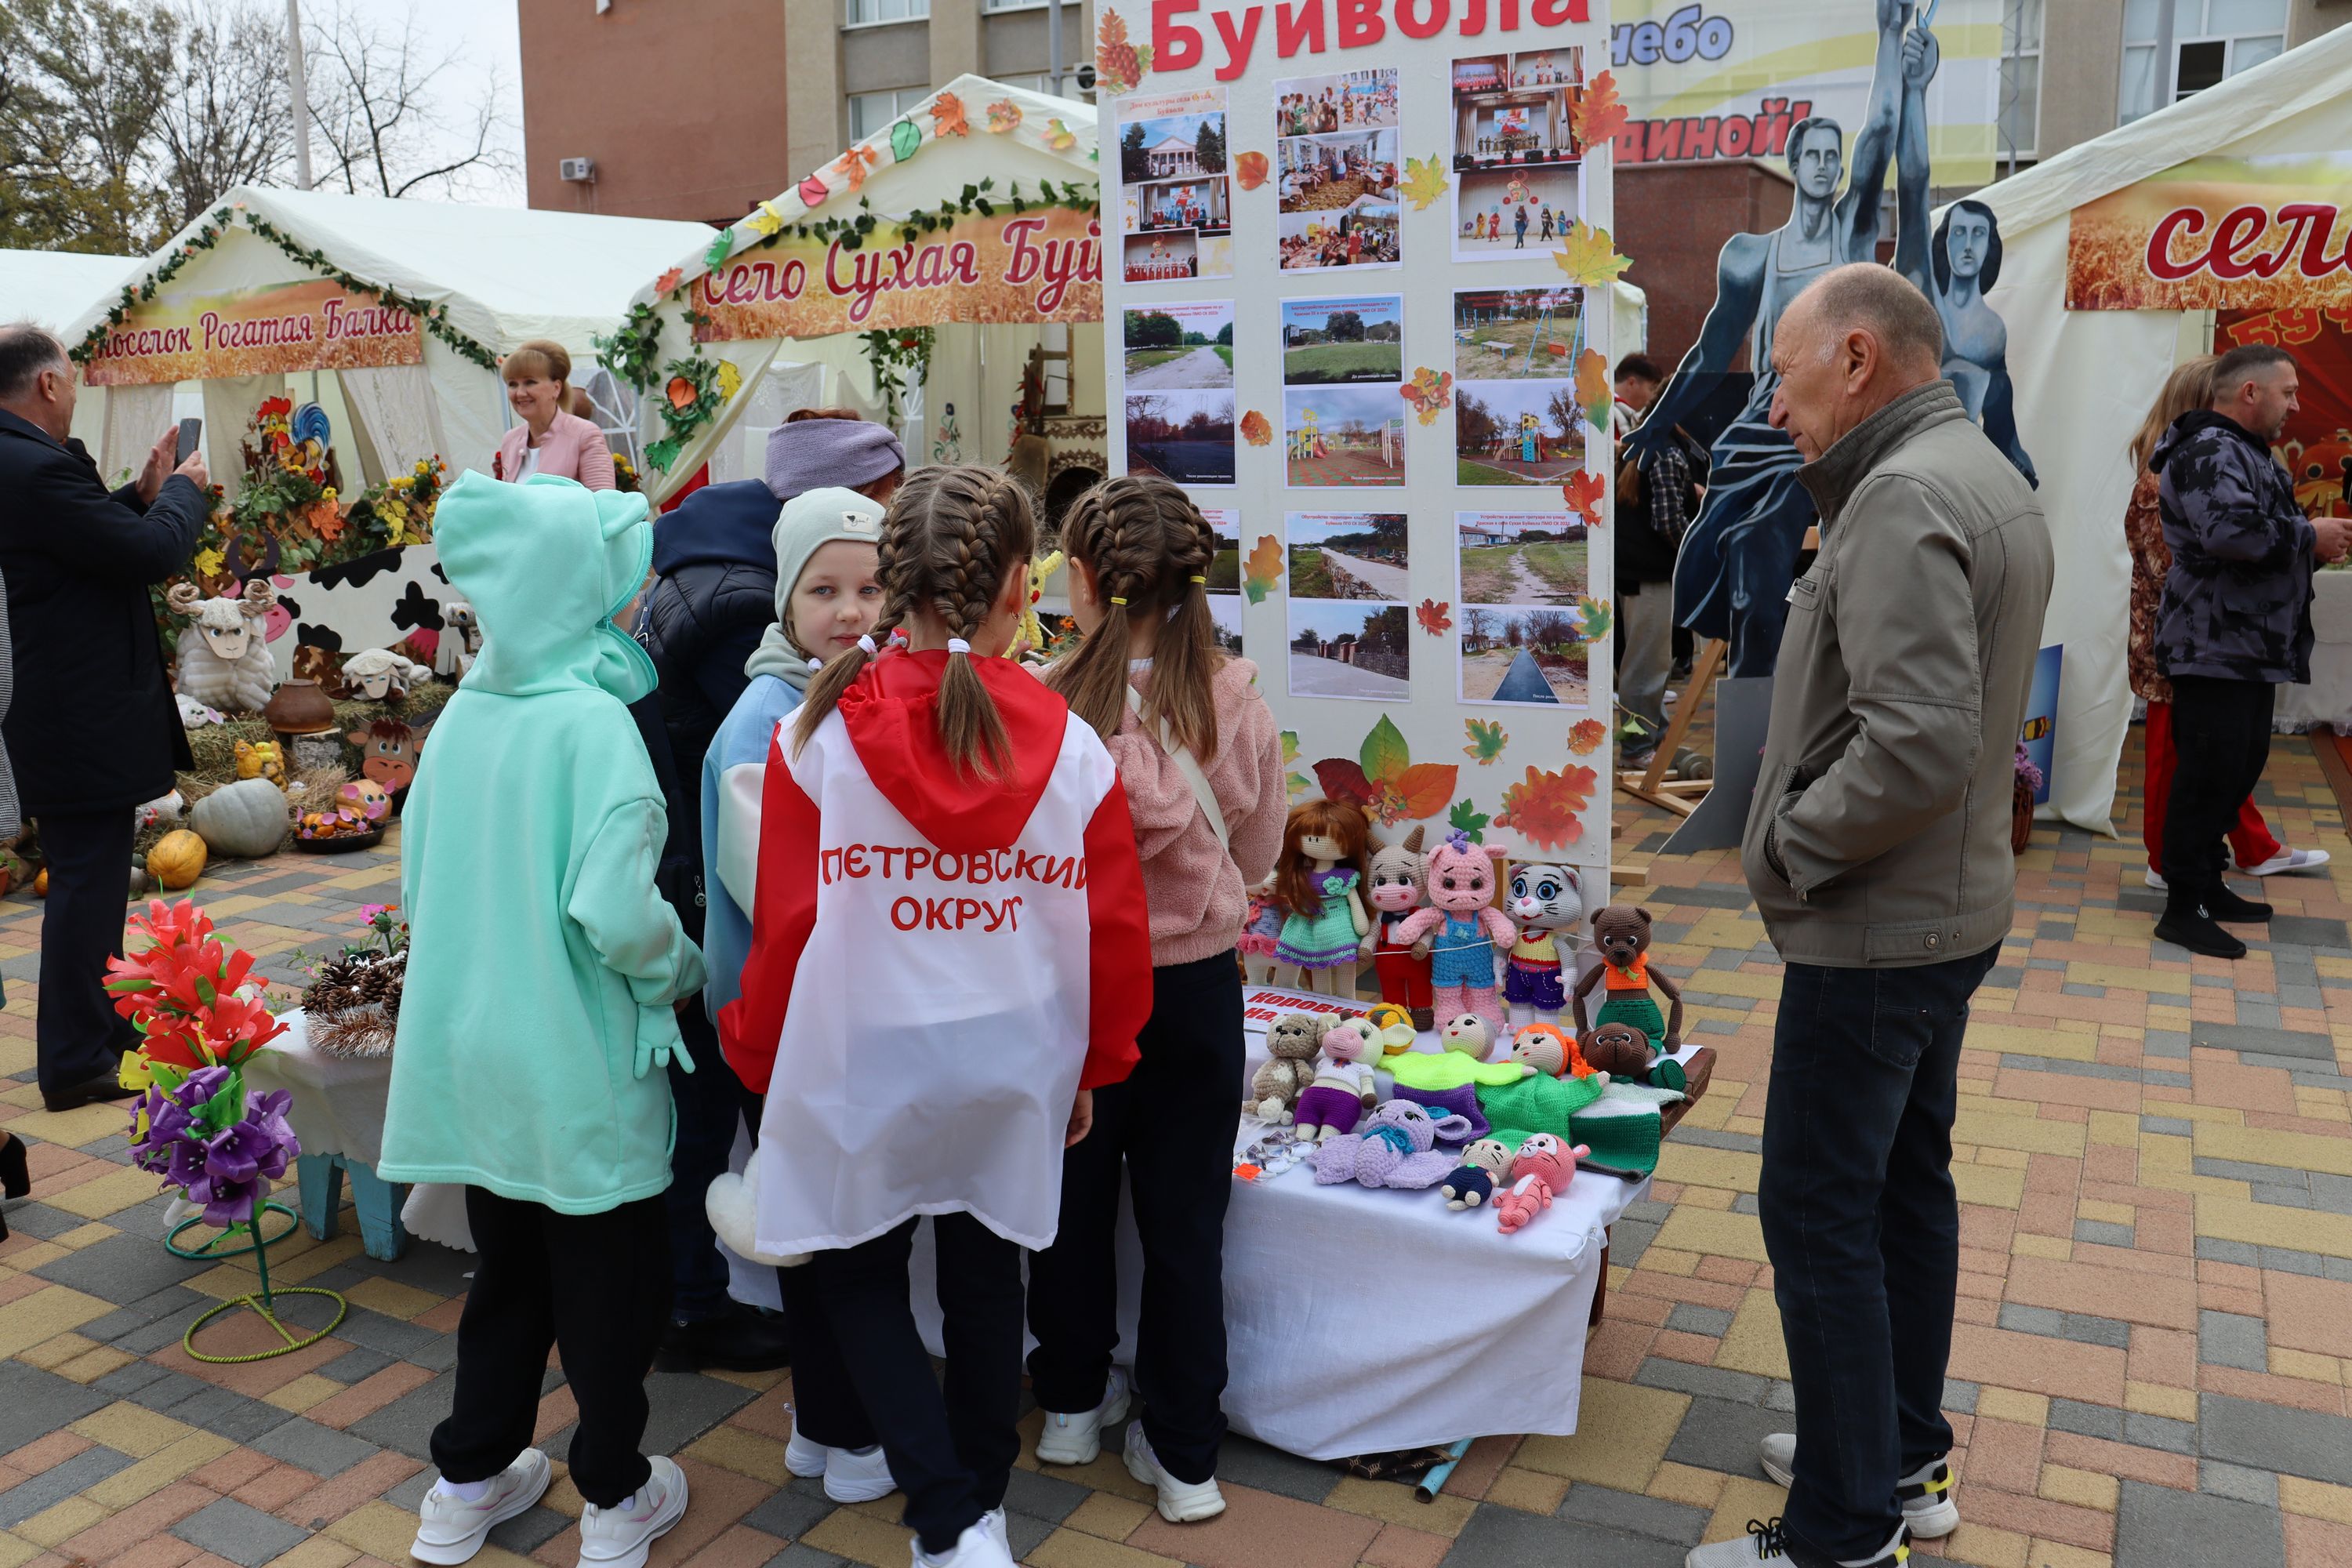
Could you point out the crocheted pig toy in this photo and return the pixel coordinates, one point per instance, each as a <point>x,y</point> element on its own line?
<point>1342,1091</point>
<point>1462,930</point>
<point>1543,1166</point>
<point>1484,1164</point>
<point>1395,1150</point>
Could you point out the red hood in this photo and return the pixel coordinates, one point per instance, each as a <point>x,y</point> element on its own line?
<point>892,713</point>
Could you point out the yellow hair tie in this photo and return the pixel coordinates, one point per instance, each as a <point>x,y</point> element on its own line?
<point>1196,579</point>
<point>1116,600</point>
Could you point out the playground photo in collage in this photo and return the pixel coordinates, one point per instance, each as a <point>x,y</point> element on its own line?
<point>1519,632</point>
<point>1187,437</point>
<point>1517,433</point>
<point>1349,340</point>
<point>1346,555</point>
<point>1516,334</point>
<point>1175,196</point>
<point>1185,346</point>
<point>1342,437</point>
<point>1514,154</point>
<point>1348,648</point>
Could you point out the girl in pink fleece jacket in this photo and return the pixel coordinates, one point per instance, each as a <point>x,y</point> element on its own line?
<point>1152,680</point>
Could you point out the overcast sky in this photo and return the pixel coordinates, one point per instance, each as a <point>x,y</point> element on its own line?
<point>475,36</point>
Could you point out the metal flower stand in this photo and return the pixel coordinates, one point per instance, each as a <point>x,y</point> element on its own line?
<point>218,1250</point>
<point>264,1301</point>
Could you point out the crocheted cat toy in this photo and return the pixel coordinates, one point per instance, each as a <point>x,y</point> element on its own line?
<point>1396,1149</point>
<point>1546,903</point>
<point>1393,885</point>
<point>1621,931</point>
<point>1462,930</point>
<point>1484,1164</point>
<point>1279,1082</point>
<point>1543,1166</point>
<point>1342,1088</point>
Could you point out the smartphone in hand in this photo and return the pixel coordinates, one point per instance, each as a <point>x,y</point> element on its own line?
<point>191,432</point>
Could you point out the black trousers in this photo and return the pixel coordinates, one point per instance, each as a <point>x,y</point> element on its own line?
<point>858,1357</point>
<point>710,1101</point>
<point>1863,1225</point>
<point>1172,1123</point>
<point>2221,737</point>
<point>596,1286</point>
<point>79,1035</point>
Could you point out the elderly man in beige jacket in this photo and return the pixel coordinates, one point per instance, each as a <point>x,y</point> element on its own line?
<point>1877,847</point>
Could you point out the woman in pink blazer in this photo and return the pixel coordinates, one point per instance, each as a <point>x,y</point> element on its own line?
<point>548,441</point>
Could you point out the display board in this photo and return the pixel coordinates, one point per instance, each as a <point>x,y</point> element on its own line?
<point>1361,268</point>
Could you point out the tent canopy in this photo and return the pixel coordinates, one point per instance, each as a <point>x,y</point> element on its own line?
<point>2085,378</point>
<point>53,287</point>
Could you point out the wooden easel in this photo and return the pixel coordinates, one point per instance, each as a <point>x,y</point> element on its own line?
<point>1659,785</point>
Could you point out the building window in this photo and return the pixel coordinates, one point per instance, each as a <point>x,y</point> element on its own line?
<point>2171,53</point>
<point>2021,81</point>
<point>870,111</point>
<point>1012,4</point>
<point>863,13</point>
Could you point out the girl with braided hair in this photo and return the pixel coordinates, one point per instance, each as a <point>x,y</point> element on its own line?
<point>1201,758</point>
<point>948,951</point>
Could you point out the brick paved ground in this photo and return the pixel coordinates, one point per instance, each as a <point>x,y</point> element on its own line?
<point>2155,1157</point>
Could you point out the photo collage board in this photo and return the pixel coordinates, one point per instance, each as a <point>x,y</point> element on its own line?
<point>1336,264</point>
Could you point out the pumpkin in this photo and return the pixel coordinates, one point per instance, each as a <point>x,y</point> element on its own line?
<point>178,857</point>
<point>246,820</point>
<point>41,883</point>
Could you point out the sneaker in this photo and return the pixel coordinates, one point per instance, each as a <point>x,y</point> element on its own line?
<point>2155,880</point>
<point>2289,860</point>
<point>450,1529</point>
<point>2224,905</point>
<point>620,1537</point>
<point>1180,1503</point>
<point>857,1475</point>
<point>805,1459</point>
<point>999,1527</point>
<point>2195,930</point>
<point>979,1546</point>
<point>1076,1438</point>
<point>740,1339</point>
<point>1929,1510</point>
<point>1765,1542</point>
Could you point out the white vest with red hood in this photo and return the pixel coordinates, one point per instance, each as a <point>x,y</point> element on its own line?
<point>938,963</point>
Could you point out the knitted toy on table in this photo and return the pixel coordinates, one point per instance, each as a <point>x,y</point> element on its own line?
<point>1462,930</point>
<point>1484,1164</point>
<point>1393,1028</point>
<point>1621,931</point>
<point>1548,1050</point>
<point>1546,902</point>
<point>1395,887</point>
<point>1342,1089</point>
<point>1279,1082</point>
<point>1448,1082</point>
<point>1625,1053</point>
<point>1261,927</point>
<point>1396,1149</point>
<point>1543,1166</point>
<point>1315,879</point>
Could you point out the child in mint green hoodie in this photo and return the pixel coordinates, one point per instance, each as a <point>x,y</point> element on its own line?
<point>537,1021</point>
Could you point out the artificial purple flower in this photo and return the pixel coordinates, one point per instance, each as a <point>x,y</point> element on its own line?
<point>229,1172</point>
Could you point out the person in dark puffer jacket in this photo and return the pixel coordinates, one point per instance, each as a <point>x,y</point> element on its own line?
<point>712,600</point>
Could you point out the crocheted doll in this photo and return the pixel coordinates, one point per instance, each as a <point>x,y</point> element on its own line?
<point>1549,1048</point>
<point>1279,1082</point>
<point>1543,1166</point>
<point>1463,930</point>
<point>1484,1164</point>
<point>1396,1149</point>
<point>1546,902</point>
<point>1342,1089</point>
<point>1447,1081</point>
<point>1622,933</point>
<point>1625,1053</point>
<point>1392,1026</point>
<point>1260,927</point>
<point>1316,879</point>
<point>1395,886</point>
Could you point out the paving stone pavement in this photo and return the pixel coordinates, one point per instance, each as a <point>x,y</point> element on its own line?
<point>2154,1154</point>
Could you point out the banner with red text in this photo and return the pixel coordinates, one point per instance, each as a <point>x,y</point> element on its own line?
<point>2248,234</point>
<point>1044,265</point>
<point>281,327</point>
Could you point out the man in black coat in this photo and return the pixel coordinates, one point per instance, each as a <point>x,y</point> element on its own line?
<point>93,731</point>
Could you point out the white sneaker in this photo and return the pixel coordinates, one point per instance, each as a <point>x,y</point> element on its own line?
<point>1767,1543</point>
<point>1077,1439</point>
<point>2155,879</point>
<point>853,1477</point>
<point>449,1530</point>
<point>620,1537</point>
<point>805,1459</point>
<point>999,1527</point>
<point>979,1546</point>
<point>2290,860</point>
<point>1180,1503</point>
<point>1926,1492</point>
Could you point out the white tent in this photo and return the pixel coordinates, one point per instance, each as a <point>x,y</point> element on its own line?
<point>2085,378</point>
<point>911,166</point>
<point>499,276</point>
<point>51,288</point>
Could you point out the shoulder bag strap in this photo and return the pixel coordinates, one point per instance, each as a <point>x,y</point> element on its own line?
<point>1186,764</point>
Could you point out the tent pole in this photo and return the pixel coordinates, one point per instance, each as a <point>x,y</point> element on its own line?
<point>299,89</point>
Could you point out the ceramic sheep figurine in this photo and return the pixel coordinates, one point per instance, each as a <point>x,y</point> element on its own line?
<point>224,658</point>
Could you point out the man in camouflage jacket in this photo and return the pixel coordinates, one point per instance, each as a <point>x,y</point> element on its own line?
<point>2235,622</point>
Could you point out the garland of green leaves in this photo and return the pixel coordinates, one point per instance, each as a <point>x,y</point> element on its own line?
<point>432,314</point>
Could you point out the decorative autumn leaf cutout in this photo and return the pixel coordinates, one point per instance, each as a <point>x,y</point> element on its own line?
<point>1385,781</point>
<point>1467,819</point>
<point>766,220</point>
<point>1486,739</point>
<point>1584,736</point>
<point>855,164</point>
<point>1003,115</point>
<point>1429,391</point>
<point>730,380</point>
<point>813,190</point>
<point>1293,783</point>
<point>906,141</point>
<point>1585,491</point>
<point>1599,113</point>
<point>1436,617</point>
<point>1593,616</point>
<point>948,117</point>
<point>721,247</point>
<point>1589,257</point>
<point>1060,138</point>
<point>1543,808</point>
<point>1257,429</point>
<point>1250,168</point>
<point>1593,389</point>
<point>1424,181</point>
<point>1262,570</point>
<point>668,280</point>
<point>1119,64</point>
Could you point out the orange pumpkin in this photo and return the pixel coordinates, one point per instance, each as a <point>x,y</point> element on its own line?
<point>177,860</point>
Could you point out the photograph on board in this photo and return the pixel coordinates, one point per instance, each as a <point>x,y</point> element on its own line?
<point>1517,433</point>
<point>1516,334</point>
<point>1515,109</point>
<point>1350,101</point>
<point>1363,237</point>
<point>1508,212</point>
<point>1520,558</point>
<point>1173,187</point>
<point>1348,555</point>
<point>1224,572</point>
<point>1345,436</point>
<point>1334,174</point>
<point>1515,654</point>
<point>1360,338</point>
<point>1225,614</point>
<point>1185,346</point>
<point>1346,649</point>
<point>1187,437</point>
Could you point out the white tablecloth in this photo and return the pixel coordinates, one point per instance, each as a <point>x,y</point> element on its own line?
<point>338,1100</point>
<point>2328,698</point>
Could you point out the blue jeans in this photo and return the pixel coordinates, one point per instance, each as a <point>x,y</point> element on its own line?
<point>1863,1227</point>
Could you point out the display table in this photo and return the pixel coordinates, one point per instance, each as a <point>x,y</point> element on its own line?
<point>2328,698</point>
<point>338,1115</point>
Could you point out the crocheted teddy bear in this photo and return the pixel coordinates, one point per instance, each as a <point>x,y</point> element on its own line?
<point>1543,1166</point>
<point>1622,933</point>
<point>1342,1088</point>
<point>1396,1149</point>
<point>1472,1182</point>
<point>1620,1050</point>
<point>1276,1085</point>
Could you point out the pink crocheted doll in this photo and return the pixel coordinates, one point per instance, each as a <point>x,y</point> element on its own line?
<point>1462,930</point>
<point>1260,928</point>
<point>1543,1167</point>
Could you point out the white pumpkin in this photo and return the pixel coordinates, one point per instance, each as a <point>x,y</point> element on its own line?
<point>244,820</point>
